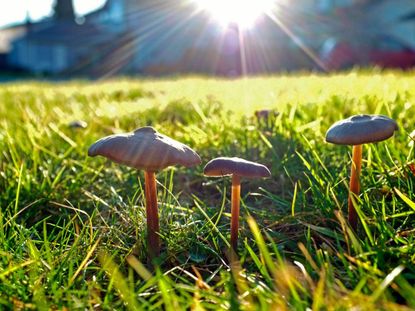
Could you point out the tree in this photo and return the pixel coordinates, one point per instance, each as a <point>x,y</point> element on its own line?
<point>64,10</point>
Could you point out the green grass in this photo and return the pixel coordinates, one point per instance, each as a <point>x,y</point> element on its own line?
<point>72,228</point>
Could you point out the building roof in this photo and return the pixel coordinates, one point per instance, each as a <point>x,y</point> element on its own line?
<point>69,33</point>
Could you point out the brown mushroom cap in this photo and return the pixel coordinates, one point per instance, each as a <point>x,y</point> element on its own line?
<point>224,166</point>
<point>146,149</point>
<point>361,129</point>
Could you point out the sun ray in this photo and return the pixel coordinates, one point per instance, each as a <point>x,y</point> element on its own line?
<point>255,50</point>
<point>297,41</point>
<point>152,34</point>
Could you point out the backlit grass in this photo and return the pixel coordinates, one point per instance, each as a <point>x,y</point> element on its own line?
<point>72,228</point>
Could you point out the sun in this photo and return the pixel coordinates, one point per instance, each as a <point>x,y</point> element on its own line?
<point>244,13</point>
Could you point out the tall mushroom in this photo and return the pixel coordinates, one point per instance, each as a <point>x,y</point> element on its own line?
<point>238,168</point>
<point>355,131</point>
<point>150,151</point>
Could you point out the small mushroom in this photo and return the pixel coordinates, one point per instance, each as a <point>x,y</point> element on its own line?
<point>265,118</point>
<point>150,151</point>
<point>355,131</point>
<point>238,168</point>
<point>266,114</point>
<point>77,124</point>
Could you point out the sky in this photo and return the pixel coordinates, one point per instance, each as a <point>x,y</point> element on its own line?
<point>14,11</point>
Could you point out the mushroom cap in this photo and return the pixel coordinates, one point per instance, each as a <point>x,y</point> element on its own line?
<point>224,166</point>
<point>145,149</point>
<point>78,124</point>
<point>361,129</point>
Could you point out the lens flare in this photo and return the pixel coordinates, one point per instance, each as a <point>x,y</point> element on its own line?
<point>244,13</point>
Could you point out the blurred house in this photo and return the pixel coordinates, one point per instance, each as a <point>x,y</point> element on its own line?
<point>7,36</point>
<point>59,47</point>
<point>372,33</point>
<point>62,44</point>
<point>394,18</point>
<point>149,37</point>
<point>167,36</point>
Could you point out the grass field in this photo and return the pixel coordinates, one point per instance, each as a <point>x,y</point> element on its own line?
<point>73,232</point>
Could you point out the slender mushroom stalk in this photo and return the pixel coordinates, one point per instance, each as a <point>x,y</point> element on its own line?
<point>354,183</point>
<point>150,151</point>
<point>355,131</point>
<point>153,226</point>
<point>238,168</point>
<point>235,202</point>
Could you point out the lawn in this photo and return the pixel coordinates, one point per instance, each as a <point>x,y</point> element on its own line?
<point>73,228</point>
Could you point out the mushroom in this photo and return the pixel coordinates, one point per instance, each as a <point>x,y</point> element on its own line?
<point>77,124</point>
<point>238,168</point>
<point>355,131</point>
<point>150,151</point>
<point>266,114</point>
<point>266,117</point>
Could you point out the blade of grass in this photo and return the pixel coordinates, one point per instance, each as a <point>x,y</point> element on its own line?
<point>119,281</point>
<point>261,244</point>
<point>408,201</point>
<point>386,282</point>
<point>83,263</point>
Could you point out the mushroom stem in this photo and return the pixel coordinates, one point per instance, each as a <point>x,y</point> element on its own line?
<point>235,200</point>
<point>354,183</point>
<point>152,214</point>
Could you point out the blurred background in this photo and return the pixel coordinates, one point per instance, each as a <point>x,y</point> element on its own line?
<point>98,38</point>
